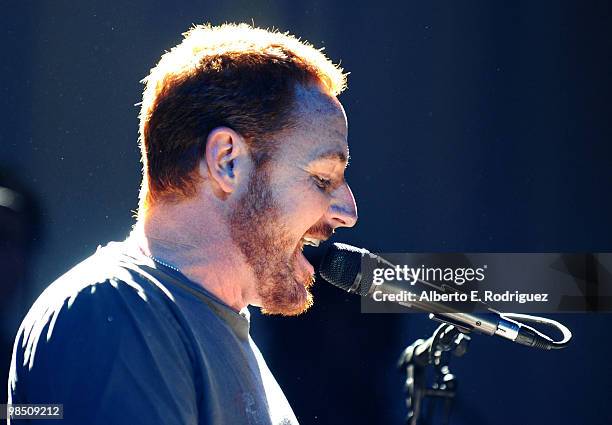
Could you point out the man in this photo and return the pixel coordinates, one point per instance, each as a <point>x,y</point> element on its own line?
<point>244,150</point>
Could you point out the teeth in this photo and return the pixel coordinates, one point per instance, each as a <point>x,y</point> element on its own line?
<point>311,241</point>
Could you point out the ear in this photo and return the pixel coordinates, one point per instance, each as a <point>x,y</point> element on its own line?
<point>226,154</point>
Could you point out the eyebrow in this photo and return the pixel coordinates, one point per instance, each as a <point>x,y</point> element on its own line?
<point>333,154</point>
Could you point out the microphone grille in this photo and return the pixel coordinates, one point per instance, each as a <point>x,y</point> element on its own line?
<point>341,265</point>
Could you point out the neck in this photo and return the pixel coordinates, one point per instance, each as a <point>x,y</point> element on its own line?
<point>200,247</point>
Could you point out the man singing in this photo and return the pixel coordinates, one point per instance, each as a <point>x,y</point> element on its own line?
<point>244,147</point>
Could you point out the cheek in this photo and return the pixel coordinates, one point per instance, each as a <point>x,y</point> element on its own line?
<point>307,205</point>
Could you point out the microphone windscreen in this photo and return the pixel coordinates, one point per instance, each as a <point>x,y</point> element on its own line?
<point>341,265</point>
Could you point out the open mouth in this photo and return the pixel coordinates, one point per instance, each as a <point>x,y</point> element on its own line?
<point>304,268</point>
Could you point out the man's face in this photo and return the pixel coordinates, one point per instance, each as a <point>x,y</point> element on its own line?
<point>297,198</point>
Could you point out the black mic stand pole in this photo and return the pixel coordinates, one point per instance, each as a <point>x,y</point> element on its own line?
<point>435,351</point>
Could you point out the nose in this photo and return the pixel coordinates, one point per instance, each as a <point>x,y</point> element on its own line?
<point>343,207</point>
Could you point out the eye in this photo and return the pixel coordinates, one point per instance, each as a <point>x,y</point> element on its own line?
<point>322,183</point>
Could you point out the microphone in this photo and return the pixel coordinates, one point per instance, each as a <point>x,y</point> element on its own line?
<point>351,269</point>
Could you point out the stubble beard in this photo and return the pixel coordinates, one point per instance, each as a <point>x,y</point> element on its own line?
<point>256,228</point>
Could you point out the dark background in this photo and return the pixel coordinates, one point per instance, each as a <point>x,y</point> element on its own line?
<point>473,126</point>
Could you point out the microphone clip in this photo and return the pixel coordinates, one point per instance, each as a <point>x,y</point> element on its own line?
<point>446,341</point>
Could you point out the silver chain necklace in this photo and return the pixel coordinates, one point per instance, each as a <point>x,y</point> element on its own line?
<point>163,263</point>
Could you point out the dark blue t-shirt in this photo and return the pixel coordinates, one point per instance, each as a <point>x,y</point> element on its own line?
<point>119,339</point>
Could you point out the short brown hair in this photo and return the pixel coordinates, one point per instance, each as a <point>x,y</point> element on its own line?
<point>230,75</point>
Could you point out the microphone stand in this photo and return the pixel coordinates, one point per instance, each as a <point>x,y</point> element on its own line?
<point>436,351</point>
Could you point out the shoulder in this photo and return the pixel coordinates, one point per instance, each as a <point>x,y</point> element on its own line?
<point>105,298</point>
<point>101,336</point>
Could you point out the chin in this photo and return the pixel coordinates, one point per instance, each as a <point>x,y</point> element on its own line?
<point>290,298</point>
